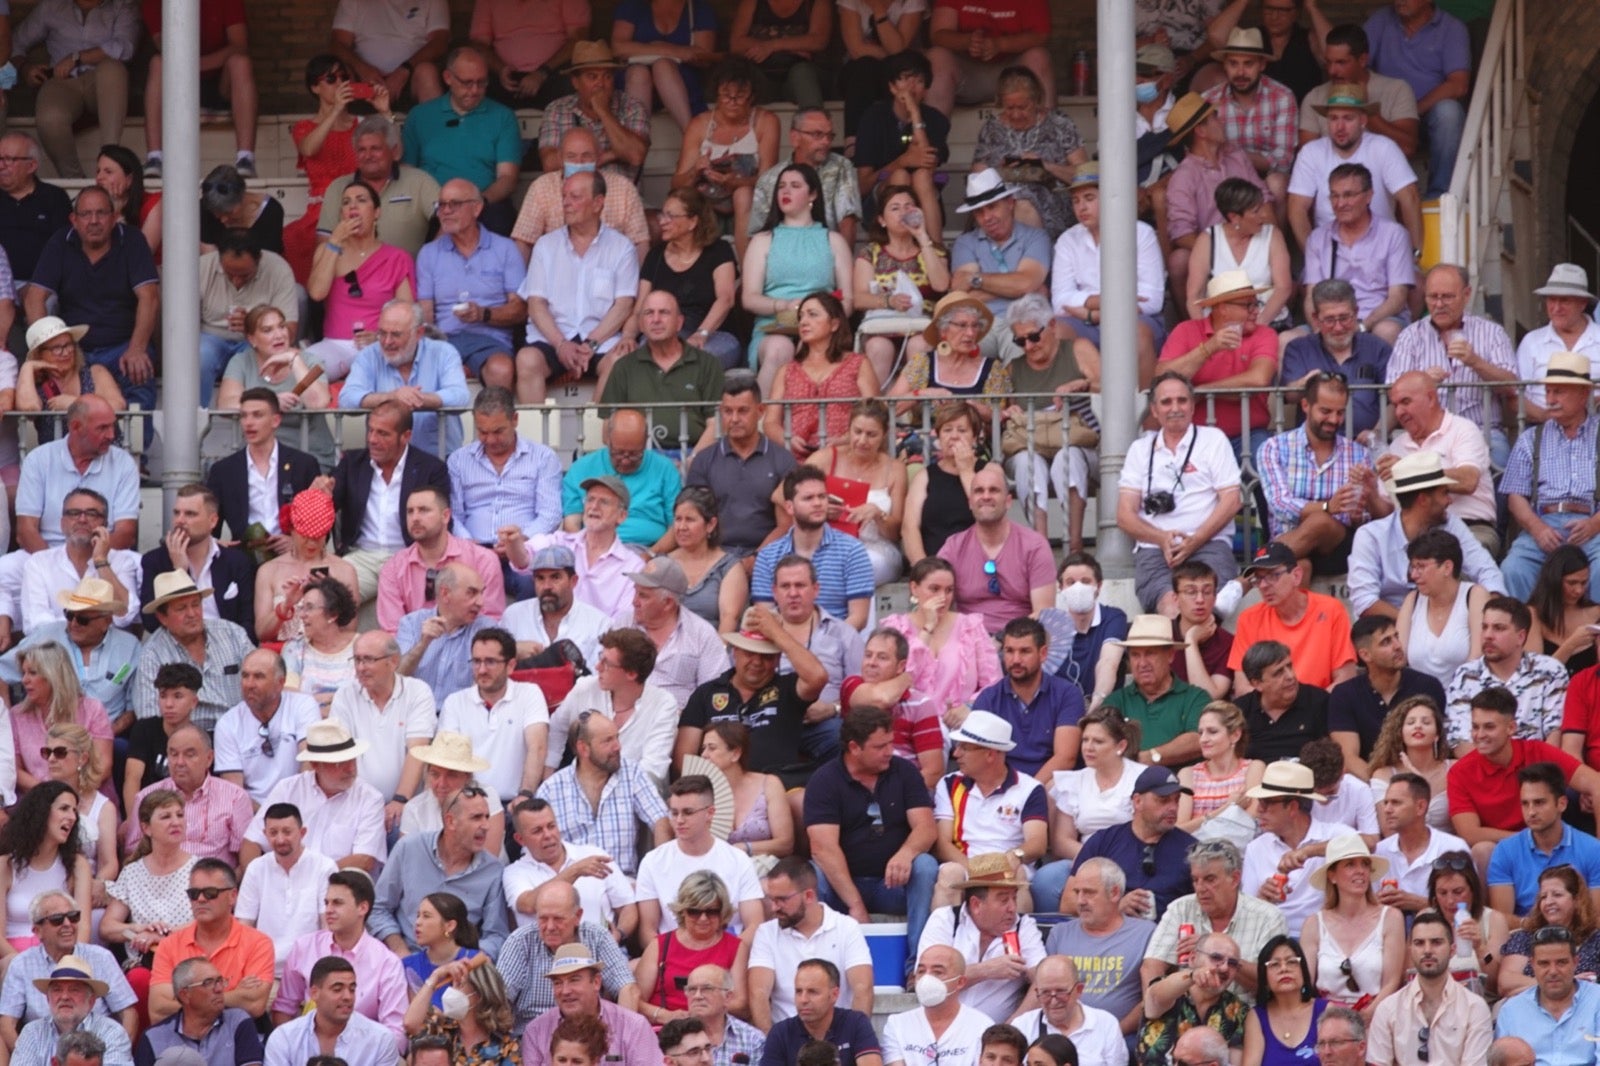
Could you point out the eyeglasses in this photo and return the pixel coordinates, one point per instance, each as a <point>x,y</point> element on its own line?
<point>210,984</point>
<point>701,1051</point>
<point>56,919</point>
<point>266,741</point>
<point>453,205</point>
<point>1147,860</point>
<point>687,812</point>
<point>468,83</point>
<point>1292,963</point>
<point>702,912</point>
<point>72,514</point>
<point>1455,862</point>
<point>355,285</point>
<point>1422,1043</point>
<point>818,134</point>
<point>60,752</point>
<point>1553,934</point>
<point>487,663</point>
<point>209,893</point>
<point>1054,993</point>
<point>993,571</point>
<point>66,347</point>
<point>1348,970</point>
<point>368,660</point>
<point>1029,338</point>
<point>1334,1041</point>
<point>1337,321</point>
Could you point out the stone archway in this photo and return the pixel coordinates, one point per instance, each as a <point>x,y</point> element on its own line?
<point>1564,75</point>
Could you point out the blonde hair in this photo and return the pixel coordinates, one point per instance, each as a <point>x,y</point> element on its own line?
<point>49,661</point>
<point>74,736</point>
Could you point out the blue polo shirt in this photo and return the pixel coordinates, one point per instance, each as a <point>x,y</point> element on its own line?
<point>1166,874</point>
<point>868,838</point>
<point>850,1032</point>
<point>494,269</point>
<point>450,145</point>
<point>1057,705</point>
<point>1423,61</point>
<point>436,369</point>
<point>974,246</point>
<point>1563,1041</point>
<point>844,572</point>
<point>98,295</point>
<point>653,487</point>
<point>1517,861</point>
<point>1368,365</point>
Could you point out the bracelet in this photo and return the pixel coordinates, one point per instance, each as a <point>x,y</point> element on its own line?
<point>397,798</point>
<point>336,249</point>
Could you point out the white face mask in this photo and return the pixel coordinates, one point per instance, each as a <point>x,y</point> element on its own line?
<point>455,1003</point>
<point>1078,597</point>
<point>931,991</point>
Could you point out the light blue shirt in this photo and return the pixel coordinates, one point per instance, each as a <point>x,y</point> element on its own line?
<point>1559,1041</point>
<point>446,666</point>
<point>654,487</point>
<point>436,369</point>
<point>525,493</point>
<point>1518,862</point>
<point>363,1043</point>
<point>48,474</point>
<point>110,670</point>
<point>37,1044</point>
<point>1027,242</point>
<point>443,274</point>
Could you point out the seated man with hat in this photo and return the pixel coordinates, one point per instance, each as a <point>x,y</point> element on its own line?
<point>999,259</point>
<point>620,124</point>
<point>1394,183</point>
<point>1569,327</point>
<point>1149,848</point>
<point>1226,348</point>
<point>1166,707</point>
<point>574,975</point>
<point>1209,160</point>
<point>1380,572</point>
<point>1259,114</point>
<point>989,915</point>
<point>603,560</point>
<point>1285,797</point>
<point>986,807</point>
<point>1550,482</point>
<point>1314,626</point>
<point>343,815</point>
<point>71,990</point>
<point>448,766</point>
<point>186,635</point>
<point>86,557</point>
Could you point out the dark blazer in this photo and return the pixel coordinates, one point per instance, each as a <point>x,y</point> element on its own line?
<point>233,584</point>
<point>230,480</point>
<point>352,485</point>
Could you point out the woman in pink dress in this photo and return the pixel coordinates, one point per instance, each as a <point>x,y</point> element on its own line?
<point>326,143</point>
<point>953,658</point>
<point>824,368</point>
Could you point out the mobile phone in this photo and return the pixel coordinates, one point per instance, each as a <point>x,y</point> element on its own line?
<point>837,501</point>
<point>319,571</point>
<point>362,90</point>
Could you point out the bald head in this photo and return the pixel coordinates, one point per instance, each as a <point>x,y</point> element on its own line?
<point>1415,400</point>
<point>579,146</point>
<point>1059,969</point>
<point>1511,1051</point>
<point>629,432</point>
<point>1203,1046</point>
<point>556,893</point>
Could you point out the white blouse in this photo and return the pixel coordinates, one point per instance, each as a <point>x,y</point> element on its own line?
<point>1077,794</point>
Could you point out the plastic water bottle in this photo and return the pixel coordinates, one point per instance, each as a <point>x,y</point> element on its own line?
<point>912,218</point>
<point>1463,916</point>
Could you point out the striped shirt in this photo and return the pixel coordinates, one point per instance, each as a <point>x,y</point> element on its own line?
<point>1292,476</point>
<point>1270,128</point>
<point>629,798</point>
<point>525,962</point>
<point>226,647</point>
<point>1566,464</point>
<point>1420,347</point>
<point>844,572</point>
<point>526,493</point>
<point>982,824</point>
<point>691,656</point>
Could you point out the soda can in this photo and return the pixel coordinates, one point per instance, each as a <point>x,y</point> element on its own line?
<point>1185,930</point>
<point>1080,72</point>
<point>1012,942</point>
<point>1389,882</point>
<point>1282,881</point>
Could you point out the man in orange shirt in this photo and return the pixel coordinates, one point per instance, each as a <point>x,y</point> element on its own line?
<point>1315,627</point>
<point>244,956</point>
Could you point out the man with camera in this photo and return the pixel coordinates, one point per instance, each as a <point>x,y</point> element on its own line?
<point>1178,495</point>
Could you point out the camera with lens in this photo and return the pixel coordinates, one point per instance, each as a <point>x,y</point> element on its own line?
<point>1159,503</point>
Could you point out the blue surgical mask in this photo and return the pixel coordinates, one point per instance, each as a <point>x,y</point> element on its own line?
<point>569,169</point>
<point>1145,92</point>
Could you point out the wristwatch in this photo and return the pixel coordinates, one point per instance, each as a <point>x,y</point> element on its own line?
<point>1155,756</point>
<point>977,282</point>
<point>1020,855</point>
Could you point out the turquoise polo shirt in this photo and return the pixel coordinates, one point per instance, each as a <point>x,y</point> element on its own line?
<point>654,486</point>
<point>449,145</point>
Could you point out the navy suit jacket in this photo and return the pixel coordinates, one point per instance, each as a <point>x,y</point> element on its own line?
<point>233,584</point>
<point>352,485</point>
<point>230,480</point>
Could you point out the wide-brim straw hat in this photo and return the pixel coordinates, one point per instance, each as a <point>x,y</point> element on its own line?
<point>1190,110</point>
<point>1148,631</point>
<point>1228,286</point>
<point>451,751</point>
<point>1418,471</point>
<point>1285,779</point>
<point>330,741</point>
<point>1348,97</point>
<point>173,585</point>
<point>591,55</point>
<point>950,301</point>
<point>991,870</point>
<point>1340,848</point>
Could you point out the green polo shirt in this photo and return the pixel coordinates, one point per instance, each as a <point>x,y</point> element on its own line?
<point>1175,712</point>
<point>451,145</point>
<point>636,381</point>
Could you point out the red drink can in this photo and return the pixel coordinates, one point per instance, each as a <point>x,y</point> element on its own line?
<point>1012,942</point>
<point>1389,882</point>
<point>1080,72</point>
<point>1185,930</point>
<point>1282,881</point>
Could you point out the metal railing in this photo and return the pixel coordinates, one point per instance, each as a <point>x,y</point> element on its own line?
<point>1469,212</point>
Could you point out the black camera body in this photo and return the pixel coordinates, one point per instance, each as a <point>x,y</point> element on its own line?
<point>1159,503</point>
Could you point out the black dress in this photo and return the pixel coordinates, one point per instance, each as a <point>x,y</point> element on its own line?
<point>945,513</point>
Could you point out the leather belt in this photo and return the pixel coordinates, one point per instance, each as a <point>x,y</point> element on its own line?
<point>1568,507</point>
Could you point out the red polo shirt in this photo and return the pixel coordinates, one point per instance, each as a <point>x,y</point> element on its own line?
<point>1478,786</point>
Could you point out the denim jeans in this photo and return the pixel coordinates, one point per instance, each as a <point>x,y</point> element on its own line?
<point>1049,881</point>
<point>1524,558</point>
<point>215,352</point>
<point>1443,125</point>
<point>144,395</point>
<point>913,899</point>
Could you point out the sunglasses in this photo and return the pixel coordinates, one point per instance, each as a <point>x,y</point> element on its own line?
<point>702,912</point>
<point>355,285</point>
<point>59,752</point>
<point>266,741</point>
<point>83,618</point>
<point>1029,338</point>
<point>1348,970</point>
<point>1147,860</point>
<point>1553,934</point>
<point>1454,862</point>
<point>1422,1043</point>
<point>993,572</point>
<point>196,894</point>
<point>57,919</point>
<point>430,585</point>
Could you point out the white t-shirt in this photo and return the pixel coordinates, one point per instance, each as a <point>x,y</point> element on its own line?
<point>1351,808</point>
<point>498,736</point>
<point>663,869</point>
<point>599,898</point>
<point>1390,174</point>
<point>1211,468</point>
<point>389,32</point>
<point>1078,795</point>
<point>239,746</point>
<point>647,736</point>
<point>909,1039</point>
<point>1261,862</point>
<point>409,715</point>
<point>839,940</point>
<point>996,998</point>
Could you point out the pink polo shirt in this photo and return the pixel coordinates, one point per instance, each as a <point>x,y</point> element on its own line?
<point>404,579</point>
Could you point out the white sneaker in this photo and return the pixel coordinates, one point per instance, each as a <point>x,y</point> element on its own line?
<point>1228,597</point>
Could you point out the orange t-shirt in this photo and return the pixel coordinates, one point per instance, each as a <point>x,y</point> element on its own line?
<point>1318,644</point>
<point>246,952</point>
